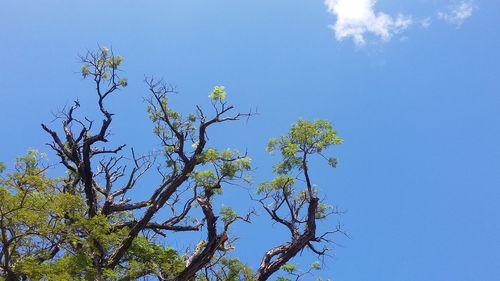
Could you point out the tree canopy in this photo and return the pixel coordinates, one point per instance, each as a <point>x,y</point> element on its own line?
<point>83,225</point>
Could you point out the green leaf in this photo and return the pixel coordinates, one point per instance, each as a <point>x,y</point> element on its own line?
<point>85,70</point>
<point>192,117</point>
<point>289,267</point>
<point>123,82</point>
<point>218,93</point>
<point>332,161</point>
<point>316,265</point>
<point>227,214</point>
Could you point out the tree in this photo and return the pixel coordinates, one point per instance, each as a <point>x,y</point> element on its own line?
<point>32,220</point>
<point>83,226</point>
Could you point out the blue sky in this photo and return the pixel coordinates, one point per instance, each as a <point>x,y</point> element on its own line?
<point>411,86</point>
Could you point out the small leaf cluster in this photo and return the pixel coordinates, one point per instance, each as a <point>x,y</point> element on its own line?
<point>103,65</point>
<point>304,138</point>
<point>292,270</point>
<point>227,214</point>
<point>222,166</point>
<point>229,269</point>
<point>218,93</point>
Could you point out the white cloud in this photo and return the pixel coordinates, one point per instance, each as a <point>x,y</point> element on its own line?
<point>357,19</point>
<point>458,13</point>
<point>425,23</point>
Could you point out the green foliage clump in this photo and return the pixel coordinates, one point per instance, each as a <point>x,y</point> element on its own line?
<point>229,269</point>
<point>289,267</point>
<point>104,65</point>
<point>51,238</point>
<point>218,93</point>
<point>305,138</point>
<point>227,214</point>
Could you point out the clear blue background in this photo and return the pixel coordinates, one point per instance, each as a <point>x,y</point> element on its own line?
<point>419,170</point>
